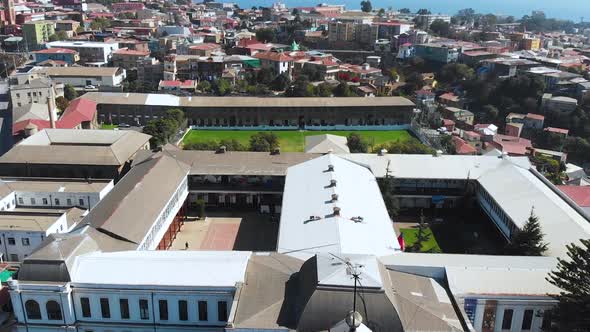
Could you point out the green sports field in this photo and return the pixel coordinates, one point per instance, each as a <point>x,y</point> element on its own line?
<point>293,141</point>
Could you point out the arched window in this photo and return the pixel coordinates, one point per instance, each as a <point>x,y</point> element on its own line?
<point>33,310</point>
<point>53,310</point>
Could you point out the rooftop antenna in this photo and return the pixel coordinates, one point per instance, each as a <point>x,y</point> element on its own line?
<point>354,319</point>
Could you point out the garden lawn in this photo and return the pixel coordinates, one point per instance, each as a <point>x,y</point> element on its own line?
<point>294,141</point>
<point>410,235</point>
<point>108,126</point>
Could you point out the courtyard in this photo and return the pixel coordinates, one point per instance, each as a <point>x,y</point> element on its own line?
<point>453,231</point>
<point>228,231</point>
<point>294,140</point>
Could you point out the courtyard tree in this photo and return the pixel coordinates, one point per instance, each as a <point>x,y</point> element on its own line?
<point>264,141</point>
<point>70,92</point>
<point>266,35</point>
<point>529,240</point>
<point>200,205</point>
<point>572,276</point>
<point>178,116</point>
<point>422,236</point>
<point>386,185</point>
<point>281,82</point>
<point>161,130</point>
<point>440,28</point>
<point>62,103</point>
<point>357,144</point>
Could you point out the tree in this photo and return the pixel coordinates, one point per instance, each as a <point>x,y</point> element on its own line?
<point>200,208</point>
<point>178,116</point>
<point>281,82</point>
<point>572,276</point>
<point>366,6</point>
<point>204,86</point>
<point>357,144</point>
<point>422,236</point>
<point>466,15</point>
<point>386,185</point>
<point>62,103</point>
<point>299,87</point>
<point>529,240</point>
<point>423,11</point>
<point>266,35</point>
<point>70,92</point>
<point>381,12</point>
<point>343,90</point>
<point>221,87</point>
<point>59,35</point>
<point>264,141</point>
<point>453,73</point>
<point>100,24</point>
<point>161,130</point>
<point>440,28</point>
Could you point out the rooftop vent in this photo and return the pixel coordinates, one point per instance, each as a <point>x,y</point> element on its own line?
<point>382,152</point>
<point>330,168</point>
<point>332,183</point>
<point>222,149</point>
<point>334,197</point>
<point>275,151</point>
<point>336,211</point>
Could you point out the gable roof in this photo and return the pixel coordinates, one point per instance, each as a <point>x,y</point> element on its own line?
<point>326,143</point>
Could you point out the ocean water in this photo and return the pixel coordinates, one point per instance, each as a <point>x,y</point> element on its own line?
<point>565,9</point>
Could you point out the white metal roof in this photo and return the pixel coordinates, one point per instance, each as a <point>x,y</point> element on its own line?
<point>162,268</point>
<point>518,191</point>
<point>308,193</point>
<point>338,270</point>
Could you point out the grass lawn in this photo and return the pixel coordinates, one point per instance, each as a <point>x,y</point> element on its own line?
<point>294,141</point>
<point>410,235</point>
<point>108,126</point>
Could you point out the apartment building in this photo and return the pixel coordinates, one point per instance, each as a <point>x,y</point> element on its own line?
<point>91,53</point>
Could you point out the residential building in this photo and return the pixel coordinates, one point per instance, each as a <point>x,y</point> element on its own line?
<point>534,121</point>
<point>188,86</point>
<point>33,89</point>
<point>103,78</point>
<point>57,54</point>
<point>91,53</point>
<point>424,21</point>
<point>37,33</point>
<point>438,53</point>
<point>278,61</point>
<point>505,67</point>
<point>530,44</point>
<point>558,104</point>
<point>512,146</point>
<point>458,114</point>
<point>129,59</point>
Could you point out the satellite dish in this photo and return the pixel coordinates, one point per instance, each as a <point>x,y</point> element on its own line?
<point>354,319</point>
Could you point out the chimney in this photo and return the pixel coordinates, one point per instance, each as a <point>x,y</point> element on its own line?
<point>330,168</point>
<point>334,197</point>
<point>50,110</point>
<point>336,211</point>
<point>332,183</point>
<point>382,152</point>
<point>276,151</point>
<point>222,149</point>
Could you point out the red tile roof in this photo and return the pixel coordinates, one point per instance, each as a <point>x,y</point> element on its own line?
<point>535,116</point>
<point>80,110</point>
<point>273,56</point>
<point>557,130</point>
<point>131,52</point>
<point>579,194</point>
<point>461,147</point>
<point>55,51</point>
<point>512,145</point>
<point>205,46</point>
<point>449,96</point>
<point>186,84</point>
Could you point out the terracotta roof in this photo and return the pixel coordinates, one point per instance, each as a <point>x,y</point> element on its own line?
<point>535,116</point>
<point>579,194</point>
<point>205,46</point>
<point>80,110</point>
<point>449,96</point>
<point>55,51</point>
<point>557,130</point>
<point>273,56</point>
<point>461,147</point>
<point>131,52</point>
<point>187,83</point>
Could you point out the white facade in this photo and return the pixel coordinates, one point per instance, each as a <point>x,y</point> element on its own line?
<point>137,293</point>
<point>63,199</point>
<point>16,244</point>
<point>95,52</point>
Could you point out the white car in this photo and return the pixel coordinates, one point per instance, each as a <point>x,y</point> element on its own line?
<point>89,87</point>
